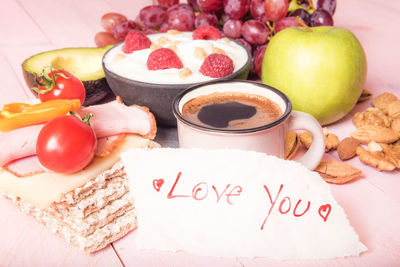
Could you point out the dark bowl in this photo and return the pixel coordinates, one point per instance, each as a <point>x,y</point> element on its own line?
<point>158,97</point>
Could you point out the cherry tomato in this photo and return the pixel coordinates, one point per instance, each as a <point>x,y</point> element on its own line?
<point>66,144</point>
<point>63,86</point>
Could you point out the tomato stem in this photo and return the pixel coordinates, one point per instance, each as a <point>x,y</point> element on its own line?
<point>44,80</point>
<point>85,119</point>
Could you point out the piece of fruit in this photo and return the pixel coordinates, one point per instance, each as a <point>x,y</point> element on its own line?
<point>276,9</point>
<point>163,58</point>
<point>135,40</point>
<point>109,20</point>
<point>258,57</point>
<point>121,29</point>
<point>66,144</point>
<point>255,32</point>
<point>328,5</point>
<point>83,63</point>
<point>321,17</point>
<point>286,22</point>
<point>152,16</point>
<point>232,28</point>
<point>206,19</point>
<point>102,39</point>
<point>236,9</point>
<point>209,5</point>
<point>206,33</point>
<point>301,13</point>
<point>59,84</point>
<point>322,71</point>
<point>167,3</point>
<point>257,10</point>
<point>180,17</point>
<point>217,66</point>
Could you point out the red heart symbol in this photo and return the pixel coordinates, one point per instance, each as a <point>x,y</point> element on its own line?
<point>324,211</point>
<point>157,183</point>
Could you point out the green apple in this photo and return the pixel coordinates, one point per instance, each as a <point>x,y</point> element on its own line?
<point>322,71</point>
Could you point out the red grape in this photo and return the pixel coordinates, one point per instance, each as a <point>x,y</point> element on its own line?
<point>258,57</point>
<point>232,28</point>
<point>164,27</point>
<point>209,5</point>
<point>286,22</point>
<point>108,20</point>
<point>180,17</point>
<point>152,16</point>
<point>328,5</point>
<point>321,17</point>
<point>276,9</point>
<point>245,44</point>
<point>236,9</point>
<point>167,3</point>
<point>206,19</point>
<point>194,5</point>
<point>121,29</point>
<point>255,32</point>
<point>102,39</point>
<point>301,13</point>
<point>257,10</point>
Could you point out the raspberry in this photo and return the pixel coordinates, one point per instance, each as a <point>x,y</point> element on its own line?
<point>217,66</point>
<point>135,40</point>
<point>206,32</point>
<point>163,58</point>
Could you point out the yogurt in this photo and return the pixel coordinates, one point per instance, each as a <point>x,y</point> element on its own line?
<point>134,66</point>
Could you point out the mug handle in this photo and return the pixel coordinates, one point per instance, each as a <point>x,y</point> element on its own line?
<point>303,121</point>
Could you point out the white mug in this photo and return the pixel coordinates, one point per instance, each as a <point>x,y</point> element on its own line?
<point>268,138</point>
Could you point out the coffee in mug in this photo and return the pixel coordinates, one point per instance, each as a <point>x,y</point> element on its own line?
<point>231,110</point>
<point>243,115</point>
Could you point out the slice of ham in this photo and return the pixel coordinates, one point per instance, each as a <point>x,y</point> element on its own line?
<point>116,118</point>
<point>106,145</point>
<point>108,119</point>
<point>25,167</point>
<point>19,143</point>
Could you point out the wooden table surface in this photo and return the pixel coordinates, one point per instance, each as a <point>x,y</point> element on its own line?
<point>372,203</point>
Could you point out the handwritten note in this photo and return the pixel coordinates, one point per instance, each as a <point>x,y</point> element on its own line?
<point>234,203</point>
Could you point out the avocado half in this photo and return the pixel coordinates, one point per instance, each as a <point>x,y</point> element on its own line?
<point>85,63</point>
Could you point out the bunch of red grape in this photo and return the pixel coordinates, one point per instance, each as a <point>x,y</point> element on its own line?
<point>250,22</point>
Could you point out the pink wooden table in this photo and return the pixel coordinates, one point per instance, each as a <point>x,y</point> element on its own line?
<point>372,203</point>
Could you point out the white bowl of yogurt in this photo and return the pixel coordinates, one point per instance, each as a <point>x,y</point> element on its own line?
<point>129,78</point>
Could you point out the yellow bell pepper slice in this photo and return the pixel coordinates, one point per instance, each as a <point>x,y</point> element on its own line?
<point>18,115</point>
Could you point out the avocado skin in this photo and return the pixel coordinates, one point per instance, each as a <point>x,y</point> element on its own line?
<point>96,90</point>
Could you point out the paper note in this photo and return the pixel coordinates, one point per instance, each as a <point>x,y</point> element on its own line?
<point>234,203</point>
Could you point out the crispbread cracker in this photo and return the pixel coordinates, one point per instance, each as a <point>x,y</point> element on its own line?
<point>92,215</point>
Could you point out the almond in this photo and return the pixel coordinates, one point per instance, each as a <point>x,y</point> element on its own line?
<point>306,139</point>
<point>347,148</point>
<point>396,126</point>
<point>383,100</point>
<point>365,95</point>
<point>369,133</point>
<point>292,144</point>
<point>394,109</point>
<point>337,172</point>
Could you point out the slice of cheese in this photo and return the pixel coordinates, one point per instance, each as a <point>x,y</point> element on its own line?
<point>43,189</point>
